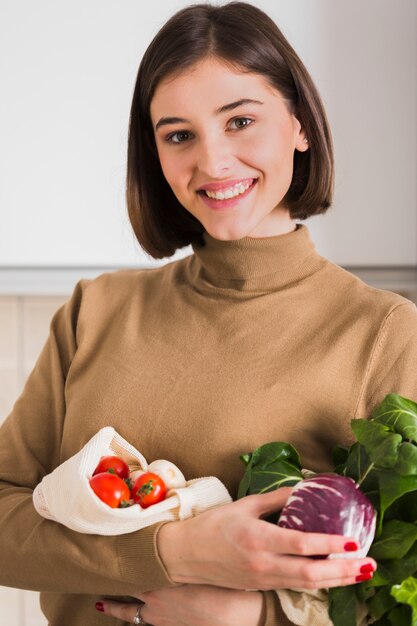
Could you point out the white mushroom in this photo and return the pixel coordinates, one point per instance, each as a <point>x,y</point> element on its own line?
<point>170,474</point>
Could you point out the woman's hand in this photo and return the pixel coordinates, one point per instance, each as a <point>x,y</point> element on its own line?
<point>192,605</point>
<point>230,546</point>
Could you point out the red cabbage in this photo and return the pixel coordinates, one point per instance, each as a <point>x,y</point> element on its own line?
<point>332,504</point>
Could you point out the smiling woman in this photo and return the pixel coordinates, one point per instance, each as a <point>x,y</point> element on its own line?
<point>183,137</point>
<point>245,162</point>
<point>252,338</point>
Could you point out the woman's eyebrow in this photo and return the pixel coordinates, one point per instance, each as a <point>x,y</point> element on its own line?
<point>164,121</point>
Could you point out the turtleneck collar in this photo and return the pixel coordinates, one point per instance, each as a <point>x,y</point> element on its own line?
<point>256,263</point>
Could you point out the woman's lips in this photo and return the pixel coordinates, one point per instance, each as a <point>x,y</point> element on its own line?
<point>227,203</point>
<point>225,184</point>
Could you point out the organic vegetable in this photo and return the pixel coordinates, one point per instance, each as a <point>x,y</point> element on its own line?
<point>333,504</point>
<point>148,489</point>
<point>383,463</point>
<point>170,474</point>
<point>113,464</point>
<point>111,489</point>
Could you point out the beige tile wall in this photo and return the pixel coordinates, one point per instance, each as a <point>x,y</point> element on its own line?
<point>24,323</point>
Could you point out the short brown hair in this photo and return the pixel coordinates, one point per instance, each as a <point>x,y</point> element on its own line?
<point>244,37</point>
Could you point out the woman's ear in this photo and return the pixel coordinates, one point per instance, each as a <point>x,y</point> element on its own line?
<point>302,143</point>
<point>301,139</point>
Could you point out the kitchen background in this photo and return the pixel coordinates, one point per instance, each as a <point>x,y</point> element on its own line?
<point>67,72</point>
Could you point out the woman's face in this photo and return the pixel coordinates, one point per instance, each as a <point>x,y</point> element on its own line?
<point>204,143</point>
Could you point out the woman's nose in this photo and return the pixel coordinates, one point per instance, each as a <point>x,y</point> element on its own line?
<point>214,157</point>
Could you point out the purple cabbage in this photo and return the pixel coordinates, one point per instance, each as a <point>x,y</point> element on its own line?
<point>332,504</point>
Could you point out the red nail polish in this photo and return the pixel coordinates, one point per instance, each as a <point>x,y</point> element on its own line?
<point>351,546</point>
<point>363,577</point>
<point>368,567</point>
<point>100,606</point>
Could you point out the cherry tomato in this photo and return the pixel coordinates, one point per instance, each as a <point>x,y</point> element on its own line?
<point>113,464</point>
<point>148,489</point>
<point>111,489</point>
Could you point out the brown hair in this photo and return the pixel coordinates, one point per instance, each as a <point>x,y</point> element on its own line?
<point>244,37</point>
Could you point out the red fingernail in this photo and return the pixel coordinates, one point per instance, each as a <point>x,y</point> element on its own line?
<point>351,546</point>
<point>368,567</point>
<point>100,606</point>
<point>363,577</point>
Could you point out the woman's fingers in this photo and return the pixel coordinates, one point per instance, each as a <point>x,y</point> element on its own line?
<point>264,503</point>
<point>300,572</point>
<point>190,605</point>
<point>287,541</point>
<point>122,610</point>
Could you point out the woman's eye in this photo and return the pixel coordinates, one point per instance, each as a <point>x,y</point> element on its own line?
<point>242,119</point>
<point>178,133</point>
<point>181,136</point>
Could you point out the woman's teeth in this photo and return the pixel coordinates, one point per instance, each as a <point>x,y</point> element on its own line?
<point>236,190</point>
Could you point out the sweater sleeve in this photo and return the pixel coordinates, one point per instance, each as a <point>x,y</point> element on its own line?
<point>273,612</point>
<point>39,554</point>
<point>392,362</point>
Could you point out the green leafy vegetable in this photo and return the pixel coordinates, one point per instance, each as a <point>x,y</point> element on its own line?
<point>342,606</point>
<point>270,467</point>
<point>383,461</point>
<point>381,602</point>
<point>407,594</point>
<point>395,540</point>
<point>400,413</point>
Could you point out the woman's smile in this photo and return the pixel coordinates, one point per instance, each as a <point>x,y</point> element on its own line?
<point>228,197</point>
<point>205,140</point>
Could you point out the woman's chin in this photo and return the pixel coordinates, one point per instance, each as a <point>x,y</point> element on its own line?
<point>228,234</point>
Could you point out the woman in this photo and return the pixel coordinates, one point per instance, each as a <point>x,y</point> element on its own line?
<point>253,338</point>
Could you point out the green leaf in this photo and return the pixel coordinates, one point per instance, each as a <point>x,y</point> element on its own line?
<point>382,576</point>
<point>400,414</point>
<point>360,467</point>
<point>393,572</point>
<point>406,593</point>
<point>357,462</point>
<point>272,465</point>
<point>392,486</point>
<point>384,621</point>
<point>400,615</point>
<point>342,605</point>
<point>276,475</point>
<point>395,541</point>
<point>381,603</point>
<point>275,451</point>
<point>340,455</point>
<point>245,482</point>
<point>380,443</point>
<point>407,507</point>
<point>407,459</point>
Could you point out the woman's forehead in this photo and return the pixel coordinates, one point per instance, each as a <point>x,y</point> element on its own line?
<point>206,83</point>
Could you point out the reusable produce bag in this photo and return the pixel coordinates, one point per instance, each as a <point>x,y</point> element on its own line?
<point>311,607</point>
<point>65,495</point>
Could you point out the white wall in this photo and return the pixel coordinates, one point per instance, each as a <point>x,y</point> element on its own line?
<point>67,72</point>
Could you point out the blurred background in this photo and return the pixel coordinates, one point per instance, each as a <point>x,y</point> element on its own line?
<point>67,73</point>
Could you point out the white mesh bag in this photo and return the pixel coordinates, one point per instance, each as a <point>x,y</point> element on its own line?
<point>65,495</point>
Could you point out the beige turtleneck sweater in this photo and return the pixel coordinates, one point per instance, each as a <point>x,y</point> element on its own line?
<point>241,343</point>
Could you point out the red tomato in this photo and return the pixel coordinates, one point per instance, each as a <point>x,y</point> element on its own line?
<point>110,489</point>
<point>148,489</point>
<point>113,464</point>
